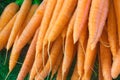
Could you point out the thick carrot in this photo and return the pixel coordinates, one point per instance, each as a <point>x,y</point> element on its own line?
<point>69,47</point>
<point>57,65</point>
<point>29,59</point>
<point>117,12</point>
<point>62,20</point>
<point>4,34</point>
<point>55,51</point>
<point>7,14</point>
<point>19,22</point>
<point>75,75</point>
<point>82,43</point>
<point>97,19</point>
<point>83,7</point>
<point>90,57</point>
<point>112,29</point>
<point>59,74</point>
<point>53,19</point>
<point>115,71</point>
<point>105,57</point>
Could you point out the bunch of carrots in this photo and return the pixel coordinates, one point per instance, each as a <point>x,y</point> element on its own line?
<point>59,30</point>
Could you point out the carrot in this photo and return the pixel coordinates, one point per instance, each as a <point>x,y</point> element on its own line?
<point>105,57</point>
<point>29,59</point>
<point>90,57</point>
<point>7,14</point>
<point>97,19</point>
<point>63,18</point>
<point>112,29</point>
<point>55,51</point>
<point>19,22</point>
<point>57,64</point>
<point>59,74</point>
<point>82,43</point>
<point>117,12</point>
<point>38,63</point>
<point>83,7</point>
<point>4,34</point>
<point>115,71</point>
<point>75,75</point>
<point>69,47</point>
<point>44,25</point>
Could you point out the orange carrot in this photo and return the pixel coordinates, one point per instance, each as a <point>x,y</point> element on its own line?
<point>55,51</point>
<point>62,20</point>
<point>115,71</point>
<point>57,65</point>
<point>105,57</point>
<point>59,74</point>
<point>69,47</point>
<point>7,14</point>
<point>19,22</point>
<point>117,12</point>
<point>83,7</point>
<point>29,59</point>
<point>4,34</point>
<point>97,19</point>
<point>75,75</point>
<point>90,57</point>
<point>112,29</point>
<point>53,19</point>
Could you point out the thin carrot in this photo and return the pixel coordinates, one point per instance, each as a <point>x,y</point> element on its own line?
<point>115,71</point>
<point>63,18</point>
<point>57,65</point>
<point>7,14</point>
<point>75,75</point>
<point>105,57</point>
<point>112,29</point>
<point>19,22</point>
<point>117,12</point>
<point>97,19</point>
<point>55,51</point>
<point>4,34</point>
<point>29,59</point>
<point>59,74</point>
<point>83,7</point>
<point>90,57</point>
<point>69,47</point>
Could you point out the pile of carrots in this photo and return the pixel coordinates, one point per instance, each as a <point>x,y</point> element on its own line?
<point>59,30</point>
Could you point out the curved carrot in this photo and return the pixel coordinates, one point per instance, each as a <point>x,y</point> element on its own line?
<point>59,74</point>
<point>19,22</point>
<point>117,12</point>
<point>105,57</point>
<point>29,59</point>
<point>112,29</point>
<point>7,14</point>
<point>4,34</point>
<point>63,18</point>
<point>97,19</point>
<point>83,7</point>
<point>55,51</point>
<point>75,75</point>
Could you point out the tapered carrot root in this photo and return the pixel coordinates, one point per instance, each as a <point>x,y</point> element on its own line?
<point>90,57</point>
<point>7,14</point>
<point>117,11</point>
<point>4,34</point>
<point>29,59</point>
<point>55,51</point>
<point>53,19</point>
<point>19,22</point>
<point>59,74</point>
<point>64,16</point>
<point>69,47</point>
<point>97,19</point>
<point>81,18</point>
<point>75,75</point>
<point>115,71</point>
<point>112,29</point>
<point>105,57</point>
